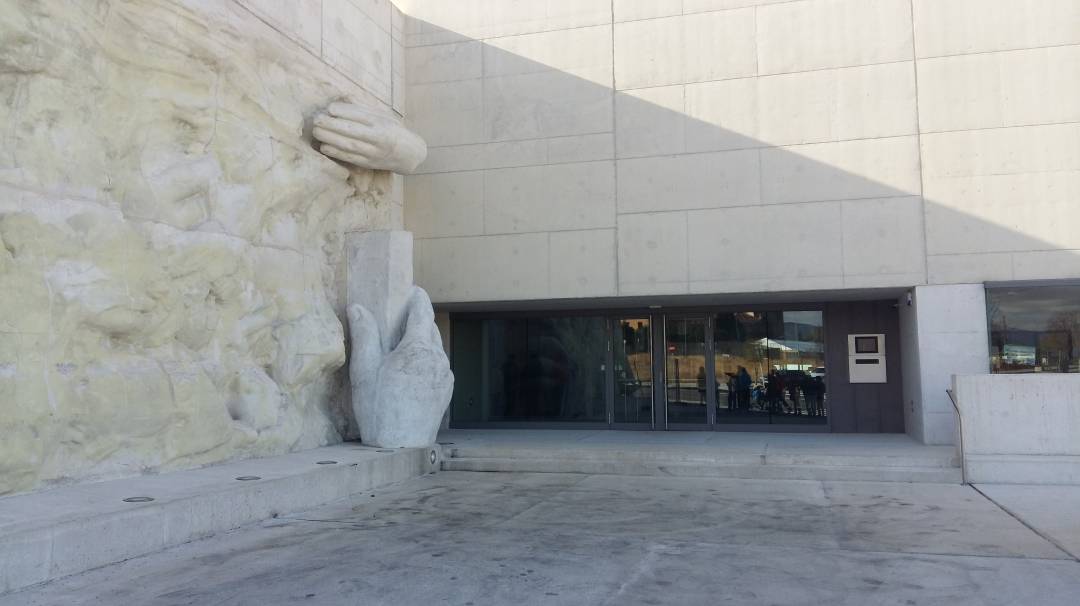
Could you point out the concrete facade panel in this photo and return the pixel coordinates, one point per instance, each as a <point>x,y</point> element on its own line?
<point>444,62</point>
<point>1011,189</point>
<point>688,181</point>
<point>872,168</point>
<point>447,113</point>
<point>546,104</point>
<point>653,253</point>
<point>650,121</point>
<point>448,204</point>
<point>1014,88</point>
<point>583,264</point>
<point>635,10</point>
<point>836,105</point>
<point>722,115</point>
<point>961,27</point>
<point>566,51</point>
<point>819,34</point>
<point>776,247</point>
<point>681,49</point>
<point>439,22</point>
<point>883,238</point>
<point>497,265</point>
<point>749,104</point>
<point>549,198</point>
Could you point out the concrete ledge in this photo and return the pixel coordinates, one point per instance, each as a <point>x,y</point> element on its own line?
<point>1024,469</point>
<point>931,475</point>
<point>65,531</point>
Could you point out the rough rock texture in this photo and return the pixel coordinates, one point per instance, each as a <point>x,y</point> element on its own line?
<point>171,258</point>
<point>401,377</point>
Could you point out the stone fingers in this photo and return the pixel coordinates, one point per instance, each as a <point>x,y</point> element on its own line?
<point>348,128</point>
<point>342,142</point>
<point>344,156</point>
<point>420,318</point>
<point>354,113</point>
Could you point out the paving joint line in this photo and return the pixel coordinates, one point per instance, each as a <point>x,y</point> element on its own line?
<point>1038,532</point>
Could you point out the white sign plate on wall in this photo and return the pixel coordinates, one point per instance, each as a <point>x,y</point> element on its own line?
<point>866,358</point>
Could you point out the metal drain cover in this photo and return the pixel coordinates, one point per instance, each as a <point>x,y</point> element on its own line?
<point>384,450</point>
<point>248,478</point>
<point>138,499</point>
<point>326,462</point>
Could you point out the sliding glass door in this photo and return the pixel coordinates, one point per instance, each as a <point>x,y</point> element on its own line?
<point>632,361</point>
<point>685,377</point>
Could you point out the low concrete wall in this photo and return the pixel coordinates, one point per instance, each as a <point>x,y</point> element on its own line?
<point>1022,429</point>
<point>56,533</point>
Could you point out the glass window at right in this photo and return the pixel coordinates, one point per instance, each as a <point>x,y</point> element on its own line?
<point>1034,328</point>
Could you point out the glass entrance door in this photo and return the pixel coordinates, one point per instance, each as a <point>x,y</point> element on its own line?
<point>698,369</point>
<point>686,379</point>
<point>633,372</point>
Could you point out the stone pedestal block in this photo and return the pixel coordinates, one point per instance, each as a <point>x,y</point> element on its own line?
<point>401,378</point>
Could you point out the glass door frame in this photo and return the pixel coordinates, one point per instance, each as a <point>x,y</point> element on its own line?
<point>613,323</point>
<point>660,396</point>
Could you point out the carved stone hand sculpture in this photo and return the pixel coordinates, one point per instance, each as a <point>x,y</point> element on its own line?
<point>367,138</point>
<point>400,389</point>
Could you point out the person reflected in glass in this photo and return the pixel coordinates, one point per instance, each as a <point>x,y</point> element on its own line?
<point>809,389</point>
<point>743,383</point>
<point>774,392</point>
<point>793,382</point>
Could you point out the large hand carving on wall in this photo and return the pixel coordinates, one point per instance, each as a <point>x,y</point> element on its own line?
<point>366,138</point>
<point>399,395</point>
<point>400,375</point>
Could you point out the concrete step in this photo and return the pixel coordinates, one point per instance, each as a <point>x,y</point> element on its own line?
<point>63,531</point>
<point>707,469</point>
<point>644,455</point>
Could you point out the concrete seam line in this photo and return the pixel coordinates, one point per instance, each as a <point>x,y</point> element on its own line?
<point>1044,536</point>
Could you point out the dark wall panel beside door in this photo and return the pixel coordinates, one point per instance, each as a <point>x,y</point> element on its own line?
<point>868,407</point>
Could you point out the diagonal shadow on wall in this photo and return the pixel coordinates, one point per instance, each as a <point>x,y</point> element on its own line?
<point>709,187</point>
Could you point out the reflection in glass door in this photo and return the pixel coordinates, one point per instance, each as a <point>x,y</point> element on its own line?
<point>633,365</point>
<point>770,367</point>
<point>686,381</point>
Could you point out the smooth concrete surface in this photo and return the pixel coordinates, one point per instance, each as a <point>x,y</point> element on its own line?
<point>1020,429</point>
<point>1053,511</point>
<point>880,457</point>
<point>942,333</point>
<point>480,539</point>
<point>868,143</point>
<point>65,531</point>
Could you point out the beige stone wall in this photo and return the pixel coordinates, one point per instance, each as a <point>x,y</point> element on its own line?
<point>585,148</point>
<point>171,279</point>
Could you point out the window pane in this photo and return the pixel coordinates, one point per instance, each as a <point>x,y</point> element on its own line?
<point>741,360</point>
<point>1034,329</point>
<point>796,384</point>
<point>530,369</point>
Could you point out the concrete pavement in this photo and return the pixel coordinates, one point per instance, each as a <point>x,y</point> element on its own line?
<point>475,538</point>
